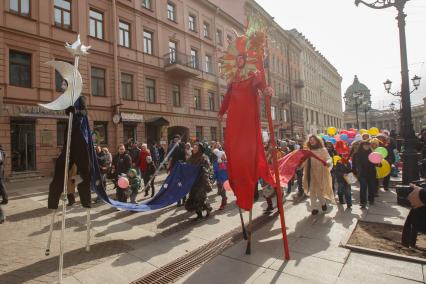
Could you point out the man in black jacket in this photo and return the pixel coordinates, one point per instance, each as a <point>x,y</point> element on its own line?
<point>416,219</point>
<point>121,164</point>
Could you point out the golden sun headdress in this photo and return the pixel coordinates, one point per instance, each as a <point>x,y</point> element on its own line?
<point>244,55</point>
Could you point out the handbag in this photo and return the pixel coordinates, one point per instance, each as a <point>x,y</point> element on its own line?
<point>350,178</point>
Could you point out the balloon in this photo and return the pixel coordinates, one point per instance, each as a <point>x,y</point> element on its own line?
<point>358,137</point>
<point>373,131</point>
<point>332,140</point>
<point>337,137</point>
<point>352,130</point>
<point>363,131</point>
<point>351,134</point>
<point>321,135</point>
<point>326,137</point>
<point>344,132</point>
<point>344,137</point>
<point>123,183</point>
<point>351,140</point>
<point>375,158</point>
<point>227,186</point>
<point>383,170</point>
<point>331,131</point>
<point>336,159</point>
<point>382,151</point>
<point>341,148</point>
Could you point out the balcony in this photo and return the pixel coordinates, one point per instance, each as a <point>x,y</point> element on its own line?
<point>181,65</point>
<point>299,84</point>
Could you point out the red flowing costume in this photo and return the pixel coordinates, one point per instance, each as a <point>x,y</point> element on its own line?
<point>243,139</point>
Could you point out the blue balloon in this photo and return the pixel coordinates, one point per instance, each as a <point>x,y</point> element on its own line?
<point>326,137</point>
<point>332,140</point>
<point>344,137</point>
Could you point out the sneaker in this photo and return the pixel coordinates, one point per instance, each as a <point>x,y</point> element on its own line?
<point>208,210</point>
<point>314,212</point>
<point>269,209</point>
<point>5,201</point>
<point>349,207</point>
<point>324,207</point>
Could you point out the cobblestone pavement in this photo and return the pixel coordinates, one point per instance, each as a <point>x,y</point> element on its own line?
<point>114,233</point>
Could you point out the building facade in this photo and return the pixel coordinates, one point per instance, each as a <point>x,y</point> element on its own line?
<point>358,111</point>
<point>152,65</point>
<point>322,98</point>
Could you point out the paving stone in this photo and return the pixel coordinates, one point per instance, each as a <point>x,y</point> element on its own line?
<point>272,276</point>
<point>380,266</point>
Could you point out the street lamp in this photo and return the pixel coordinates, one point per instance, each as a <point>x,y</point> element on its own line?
<point>356,102</point>
<point>367,107</point>
<point>388,85</point>
<point>410,170</point>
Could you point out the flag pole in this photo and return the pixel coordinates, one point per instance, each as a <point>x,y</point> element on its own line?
<point>275,162</point>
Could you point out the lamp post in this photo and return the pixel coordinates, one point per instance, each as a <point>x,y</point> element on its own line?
<point>356,102</point>
<point>367,107</point>
<point>410,170</point>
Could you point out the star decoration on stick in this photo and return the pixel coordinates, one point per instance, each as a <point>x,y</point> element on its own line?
<point>77,48</point>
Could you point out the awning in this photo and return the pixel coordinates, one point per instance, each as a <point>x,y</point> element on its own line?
<point>157,121</point>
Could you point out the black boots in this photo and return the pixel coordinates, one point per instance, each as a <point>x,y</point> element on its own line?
<point>71,199</point>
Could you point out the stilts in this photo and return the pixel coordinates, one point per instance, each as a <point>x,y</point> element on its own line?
<point>250,231</point>
<point>242,224</point>
<point>49,239</point>
<point>88,224</point>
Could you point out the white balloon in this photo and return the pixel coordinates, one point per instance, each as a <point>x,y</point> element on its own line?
<point>67,72</point>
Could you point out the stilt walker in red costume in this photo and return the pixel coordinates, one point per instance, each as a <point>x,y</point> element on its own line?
<point>243,67</point>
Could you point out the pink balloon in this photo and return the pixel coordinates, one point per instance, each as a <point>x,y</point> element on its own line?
<point>227,186</point>
<point>344,132</point>
<point>123,183</point>
<point>351,134</point>
<point>375,158</point>
<point>337,137</point>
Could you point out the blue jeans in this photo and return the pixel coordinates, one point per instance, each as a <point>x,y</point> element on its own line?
<point>368,186</point>
<point>344,191</point>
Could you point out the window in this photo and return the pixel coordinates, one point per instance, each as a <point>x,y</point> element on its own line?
<point>176,95</point>
<point>124,34</point>
<point>60,83</point>
<point>147,42</point>
<point>127,86</point>
<point>129,131</point>
<point>197,98</point>
<point>98,82</point>
<point>307,115</point>
<point>171,12</point>
<point>21,7</point>
<point>63,13</point>
<point>213,133</point>
<point>274,112</point>
<point>285,115</point>
<point>229,38</point>
<point>199,133</point>
<point>146,4</point>
<point>100,131</point>
<point>96,24</point>
<point>211,101</point>
<point>312,116</point>
<point>150,90</point>
<point>172,52</point>
<point>219,37</point>
<point>316,120</point>
<point>206,30</point>
<point>61,125</point>
<point>194,58</point>
<point>208,62</point>
<point>192,23</point>
<point>19,69</point>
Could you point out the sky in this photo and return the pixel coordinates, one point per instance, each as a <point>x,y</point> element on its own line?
<point>360,40</point>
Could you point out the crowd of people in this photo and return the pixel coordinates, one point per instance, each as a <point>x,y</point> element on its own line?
<point>330,183</point>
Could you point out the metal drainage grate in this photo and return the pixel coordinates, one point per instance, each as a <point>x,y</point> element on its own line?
<point>174,270</point>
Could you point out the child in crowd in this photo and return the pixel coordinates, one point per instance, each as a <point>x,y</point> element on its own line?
<point>134,185</point>
<point>220,175</point>
<point>150,171</point>
<point>341,169</point>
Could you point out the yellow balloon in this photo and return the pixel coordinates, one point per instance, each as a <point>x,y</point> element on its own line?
<point>331,131</point>
<point>373,131</point>
<point>384,170</point>
<point>363,131</point>
<point>336,159</point>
